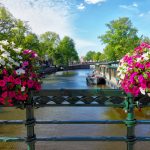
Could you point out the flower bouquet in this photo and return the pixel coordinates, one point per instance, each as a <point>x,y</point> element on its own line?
<point>134,71</point>
<point>18,74</point>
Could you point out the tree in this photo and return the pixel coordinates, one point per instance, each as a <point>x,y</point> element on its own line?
<point>19,32</point>
<point>7,22</point>
<point>67,49</point>
<point>90,56</point>
<point>120,38</point>
<point>145,39</point>
<point>96,56</point>
<point>49,42</point>
<point>31,41</point>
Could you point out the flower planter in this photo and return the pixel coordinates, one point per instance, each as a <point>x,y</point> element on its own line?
<point>134,71</point>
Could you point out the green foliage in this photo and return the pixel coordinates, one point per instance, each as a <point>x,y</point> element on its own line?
<point>18,32</point>
<point>48,44</point>
<point>67,49</point>
<point>145,39</point>
<point>120,38</point>
<point>92,56</point>
<point>31,41</point>
<point>7,22</point>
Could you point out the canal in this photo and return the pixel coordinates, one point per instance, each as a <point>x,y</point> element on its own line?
<point>72,79</point>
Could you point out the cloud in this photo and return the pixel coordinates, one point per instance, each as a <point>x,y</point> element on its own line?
<point>133,6</point>
<point>141,15</point>
<point>94,1</point>
<point>81,6</point>
<point>42,15</point>
<point>48,15</point>
<point>83,46</point>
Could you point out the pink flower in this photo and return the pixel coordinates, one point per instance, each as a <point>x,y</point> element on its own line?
<point>25,63</point>
<point>27,51</point>
<point>10,79</point>
<point>4,94</point>
<point>10,102</point>
<point>2,83</point>
<point>12,94</point>
<point>21,97</point>
<point>17,81</point>
<point>24,83</point>
<point>33,55</point>
<point>147,65</point>
<point>37,86</point>
<point>5,72</point>
<point>133,70</point>
<point>5,79</point>
<point>2,100</point>
<point>30,83</point>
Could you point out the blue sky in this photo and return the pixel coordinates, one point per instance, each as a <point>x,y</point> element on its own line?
<point>82,20</point>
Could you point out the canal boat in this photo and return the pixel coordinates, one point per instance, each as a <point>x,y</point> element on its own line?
<point>95,79</point>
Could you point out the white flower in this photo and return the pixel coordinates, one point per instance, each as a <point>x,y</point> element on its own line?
<point>23,88</point>
<point>2,62</point>
<point>5,54</point>
<point>142,90</point>
<point>2,49</point>
<point>145,56</point>
<point>11,60</point>
<point>138,59</point>
<point>4,42</point>
<point>16,64</point>
<point>122,76</point>
<point>20,71</point>
<point>13,44</point>
<point>17,50</point>
<point>19,57</point>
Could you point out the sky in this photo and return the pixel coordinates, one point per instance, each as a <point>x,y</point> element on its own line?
<point>82,20</point>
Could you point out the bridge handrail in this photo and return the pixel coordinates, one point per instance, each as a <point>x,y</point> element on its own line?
<point>79,97</point>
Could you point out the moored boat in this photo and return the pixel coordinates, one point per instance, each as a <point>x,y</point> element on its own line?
<point>95,79</point>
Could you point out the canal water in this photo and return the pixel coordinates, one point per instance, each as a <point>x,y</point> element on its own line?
<point>72,79</point>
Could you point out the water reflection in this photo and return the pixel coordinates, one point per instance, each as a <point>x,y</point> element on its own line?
<point>75,79</point>
<point>72,79</point>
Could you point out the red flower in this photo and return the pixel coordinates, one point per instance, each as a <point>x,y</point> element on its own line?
<point>2,83</point>
<point>10,78</point>
<point>4,94</point>
<point>37,86</point>
<point>24,83</point>
<point>30,83</point>
<point>12,94</point>
<point>4,71</point>
<point>2,100</point>
<point>17,81</point>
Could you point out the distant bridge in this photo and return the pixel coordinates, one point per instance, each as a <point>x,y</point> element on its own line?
<point>86,65</point>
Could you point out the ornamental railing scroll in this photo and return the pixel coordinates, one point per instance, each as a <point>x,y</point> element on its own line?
<point>80,98</point>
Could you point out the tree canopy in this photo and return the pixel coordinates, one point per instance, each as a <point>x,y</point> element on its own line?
<point>47,44</point>
<point>67,49</point>
<point>120,38</point>
<point>92,56</point>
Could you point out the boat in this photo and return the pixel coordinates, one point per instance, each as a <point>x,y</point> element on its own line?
<point>95,79</point>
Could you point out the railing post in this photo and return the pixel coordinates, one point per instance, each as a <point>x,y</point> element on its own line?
<point>30,122</point>
<point>104,72</point>
<point>130,123</point>
<point>109,73</point>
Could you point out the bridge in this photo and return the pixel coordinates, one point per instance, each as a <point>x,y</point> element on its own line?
<point>79,98</point>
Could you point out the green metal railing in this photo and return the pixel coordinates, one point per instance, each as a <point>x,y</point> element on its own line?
<point>80,98</point>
